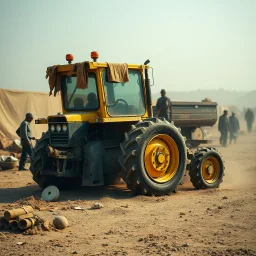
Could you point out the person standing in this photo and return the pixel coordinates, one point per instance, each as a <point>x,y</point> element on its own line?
<point>25,134</point>
<point>163,106</point>
<point>234,127</point>
<point>249,117</point>
<point>223,128</point>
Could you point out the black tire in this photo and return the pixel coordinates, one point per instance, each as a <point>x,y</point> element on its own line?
<point>39,160</point>
<point>134,172</point>
<point>196,168</point>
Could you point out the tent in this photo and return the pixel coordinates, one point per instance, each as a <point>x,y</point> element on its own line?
<point>15,104</point>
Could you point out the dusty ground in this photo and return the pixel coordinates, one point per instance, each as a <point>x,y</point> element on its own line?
<point>205,222</point>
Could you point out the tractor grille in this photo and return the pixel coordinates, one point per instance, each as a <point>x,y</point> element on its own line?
<point>59,138</point>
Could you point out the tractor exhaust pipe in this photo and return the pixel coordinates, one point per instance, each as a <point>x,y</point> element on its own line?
<point>148,90</point>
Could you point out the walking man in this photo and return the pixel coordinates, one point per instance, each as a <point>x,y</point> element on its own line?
<point>249,117</point>
<point>25,134</point>
<point>163,106</point>
<point>234,127</point>
<point>223,128</point>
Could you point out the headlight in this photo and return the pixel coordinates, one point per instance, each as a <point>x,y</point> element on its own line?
<point>64,127</point>
<point>52,128</point>
<point>58,128</point>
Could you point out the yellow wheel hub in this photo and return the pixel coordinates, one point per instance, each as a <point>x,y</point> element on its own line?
<point>161,158</point>
<point>211,169</point>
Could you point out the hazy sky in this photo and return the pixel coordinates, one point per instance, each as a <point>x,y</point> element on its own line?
<point>192,44</point>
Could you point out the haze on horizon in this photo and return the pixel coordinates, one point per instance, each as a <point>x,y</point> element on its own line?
<point>197,44</point>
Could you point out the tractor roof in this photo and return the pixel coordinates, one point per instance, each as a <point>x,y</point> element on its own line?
<point>95,65</point>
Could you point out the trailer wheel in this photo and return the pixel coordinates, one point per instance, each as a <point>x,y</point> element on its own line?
<point>206,168</point>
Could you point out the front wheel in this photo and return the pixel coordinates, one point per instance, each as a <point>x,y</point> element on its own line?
<point>154,157</point>
<point>206,168</point>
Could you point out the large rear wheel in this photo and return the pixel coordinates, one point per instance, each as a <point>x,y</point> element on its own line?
<point>154,157</point>
<point>206,168</point>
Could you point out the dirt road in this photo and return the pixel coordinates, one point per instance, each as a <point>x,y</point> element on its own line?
<point>205,222</point>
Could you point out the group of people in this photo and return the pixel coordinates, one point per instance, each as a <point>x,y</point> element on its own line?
<point>231,125</point>
<point>228,124</point>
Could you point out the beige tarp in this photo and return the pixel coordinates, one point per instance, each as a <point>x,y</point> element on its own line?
<point>15,104</point>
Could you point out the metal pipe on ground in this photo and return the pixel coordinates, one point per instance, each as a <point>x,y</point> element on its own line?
<point>11,214</point>
<point>6,223</point>
<point>25,216</point>
<point>27,223</point>
<point>2,219</point>
<point>14,225</point>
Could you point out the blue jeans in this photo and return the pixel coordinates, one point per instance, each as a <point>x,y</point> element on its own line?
<point>26,151</point>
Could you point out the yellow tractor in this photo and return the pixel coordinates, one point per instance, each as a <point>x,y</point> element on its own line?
<point>107,132</point>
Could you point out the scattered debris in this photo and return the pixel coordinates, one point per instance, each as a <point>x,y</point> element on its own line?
<point>185,245</point>
<point>11,214</point>
<point>46,225</point>
<point>50,194</point>
<point>41,208</point>
<point>16,146</point>
<point>32,201</point>
<point>78,208</point>
<point>16,155</point>
<point>8,162</point>
<point>54,209</point>
<point>97,206</point>
<point>60,222</point>
<point>20,243</point>
<point>109,232</point>
<point>24,219</point>
<point>5,143</point>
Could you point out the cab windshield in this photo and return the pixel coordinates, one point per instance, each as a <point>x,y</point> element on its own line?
<point>75,99</point>
<point>125,98</point>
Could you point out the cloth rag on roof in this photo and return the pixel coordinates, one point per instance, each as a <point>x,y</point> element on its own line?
<point>54,79</point>
<point>118,73</point>
<point>81,70</point>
